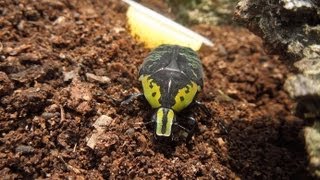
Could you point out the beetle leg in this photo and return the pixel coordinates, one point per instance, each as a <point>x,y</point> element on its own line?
<point>204,108</point>
<point>184,129</point>
<point>192,124</point>
<point>128,99</point>
<point>221,124</point>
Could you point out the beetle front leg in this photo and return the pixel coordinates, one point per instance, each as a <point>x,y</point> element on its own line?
<point>204,108</point>
<point>191,122</point>
<point>128,99</point>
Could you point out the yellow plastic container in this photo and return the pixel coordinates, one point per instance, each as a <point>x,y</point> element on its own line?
<point>154,29</point>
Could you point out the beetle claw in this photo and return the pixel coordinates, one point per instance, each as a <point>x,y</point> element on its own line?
<point>208,113</point>
<point>192,123</point>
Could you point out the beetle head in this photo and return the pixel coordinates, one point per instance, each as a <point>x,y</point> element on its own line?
<point>164,119</point>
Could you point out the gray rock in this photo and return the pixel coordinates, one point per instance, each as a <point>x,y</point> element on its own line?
<point>288,27</point>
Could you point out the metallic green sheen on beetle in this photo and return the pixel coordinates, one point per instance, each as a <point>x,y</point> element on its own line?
<point>171,76</point>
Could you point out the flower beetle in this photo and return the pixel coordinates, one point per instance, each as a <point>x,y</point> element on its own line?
<point>171,76</point>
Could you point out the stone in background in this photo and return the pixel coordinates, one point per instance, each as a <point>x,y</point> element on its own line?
<point>291,28</point>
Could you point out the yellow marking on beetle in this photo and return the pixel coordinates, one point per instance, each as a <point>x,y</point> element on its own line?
<point>159,121</point>
<point>199,88</point>
<point>185,96</point>
<point>170,117</point>
<point>164,129</point>
<point>151,91</point>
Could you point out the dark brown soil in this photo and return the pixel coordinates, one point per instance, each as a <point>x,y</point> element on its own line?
<point>49,99</point>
